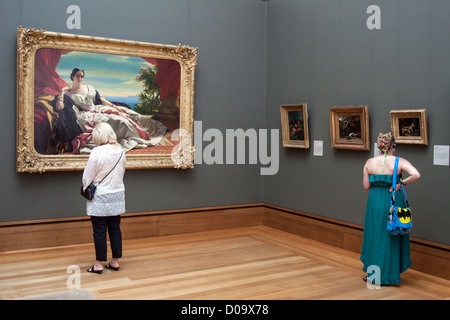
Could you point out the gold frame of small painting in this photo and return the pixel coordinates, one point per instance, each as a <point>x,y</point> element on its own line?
<point>294,126</point>
<point>349,127</point>
<point>409,126</point>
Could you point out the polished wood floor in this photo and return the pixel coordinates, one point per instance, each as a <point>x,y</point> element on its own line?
<point>243,263</point>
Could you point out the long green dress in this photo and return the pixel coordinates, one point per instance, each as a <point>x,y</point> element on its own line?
<point>381,249</point>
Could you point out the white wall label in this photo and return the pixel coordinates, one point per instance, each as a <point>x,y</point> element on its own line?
<point>318,148</point>
<point>441,155</point>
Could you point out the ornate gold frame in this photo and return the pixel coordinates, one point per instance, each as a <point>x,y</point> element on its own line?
<point>354,140</point>
<point>285,126</point>
<point>30,40</point>
<point>401,132</point>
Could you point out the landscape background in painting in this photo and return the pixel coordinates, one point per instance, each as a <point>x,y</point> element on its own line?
<point>114,76</point>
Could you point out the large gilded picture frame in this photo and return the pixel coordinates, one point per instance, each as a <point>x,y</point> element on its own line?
<point>409,126</point>
<point>144,90</point>
<point>349,127</point>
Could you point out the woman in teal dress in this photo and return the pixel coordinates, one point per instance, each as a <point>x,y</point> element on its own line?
<point>381,251</point>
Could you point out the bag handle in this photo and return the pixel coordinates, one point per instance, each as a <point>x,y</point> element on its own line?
<point>394,184</point>
<point>404,193</point>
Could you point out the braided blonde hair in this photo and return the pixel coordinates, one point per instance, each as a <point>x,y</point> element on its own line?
<point>384,143</point>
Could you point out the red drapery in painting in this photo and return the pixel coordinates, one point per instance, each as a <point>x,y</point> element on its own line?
<point>47,83</point>
<point>168,76</point>
<point>46,79</point>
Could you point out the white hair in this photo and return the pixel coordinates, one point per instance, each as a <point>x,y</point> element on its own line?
<point>103,133</point>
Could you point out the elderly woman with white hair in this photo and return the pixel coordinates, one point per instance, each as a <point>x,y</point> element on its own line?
<point>105,169</point>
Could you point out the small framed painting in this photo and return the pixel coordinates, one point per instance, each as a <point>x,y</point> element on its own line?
<point>409,126</point>
<point>349,127</point>
<point>294,126</point>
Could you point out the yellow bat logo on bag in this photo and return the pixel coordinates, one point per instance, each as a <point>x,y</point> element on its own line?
<point>404,215</point>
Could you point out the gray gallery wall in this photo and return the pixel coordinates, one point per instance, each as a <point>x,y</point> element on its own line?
<point>254,56</point>
<point>229,93</point>
<point>320,52</point>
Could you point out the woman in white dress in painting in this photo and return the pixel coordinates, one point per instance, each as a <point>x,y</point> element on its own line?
<point>89,108</point>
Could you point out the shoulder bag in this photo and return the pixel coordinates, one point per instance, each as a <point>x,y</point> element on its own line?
<point>89,192</point>
<point>400,219</point>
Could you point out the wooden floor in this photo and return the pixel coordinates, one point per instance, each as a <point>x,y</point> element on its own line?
<point>245,263</point>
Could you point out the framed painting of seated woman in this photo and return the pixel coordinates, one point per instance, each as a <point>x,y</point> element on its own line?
<point>66,84</point>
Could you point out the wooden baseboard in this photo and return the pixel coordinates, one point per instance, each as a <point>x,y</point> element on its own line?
<point>22,235</point>
<point>337,233</point>
<point>428,257</point>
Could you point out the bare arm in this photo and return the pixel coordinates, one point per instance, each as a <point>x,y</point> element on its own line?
<point>110,104</point>
<point>60,100</point>
<point>413,173</point>
<point>366,183</point>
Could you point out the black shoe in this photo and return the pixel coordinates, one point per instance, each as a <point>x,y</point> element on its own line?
<point>109,266</point>
<point>91,269</point>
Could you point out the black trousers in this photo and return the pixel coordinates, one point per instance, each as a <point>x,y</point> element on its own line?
<point>111,224</point>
